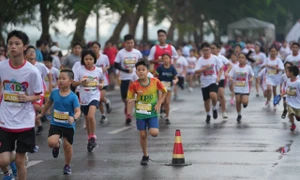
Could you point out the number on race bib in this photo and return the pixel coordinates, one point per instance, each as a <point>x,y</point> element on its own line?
<point>143,108</point>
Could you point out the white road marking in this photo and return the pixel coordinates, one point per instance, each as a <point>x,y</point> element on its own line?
<point>174,109</point>
<point>125,128</point>
<point>30,163</point>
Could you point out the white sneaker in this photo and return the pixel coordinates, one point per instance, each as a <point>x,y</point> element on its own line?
<point>267,104</point>
<point>224,115</point>
<point>84,124</point>
<point>190,89</point>
<point>103,119</point>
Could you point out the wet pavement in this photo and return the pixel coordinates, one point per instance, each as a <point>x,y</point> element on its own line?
<point>219,151</point>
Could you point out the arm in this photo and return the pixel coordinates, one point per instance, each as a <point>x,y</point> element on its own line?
<point>119,67</point>
<point>50,81</point>
<point>175,81</point>
<point>45,109</point>
<point>201,70</point>
<point>151,55</point>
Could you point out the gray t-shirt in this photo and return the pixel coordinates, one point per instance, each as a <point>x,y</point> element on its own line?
<point>70,61</point>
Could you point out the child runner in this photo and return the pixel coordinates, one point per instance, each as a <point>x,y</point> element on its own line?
<point>103,63</point>
<point>274,67</point>
<point>295,56</point>
<point>242,77</point>
<point>167,74</point>
<point>44,73</point>
<point>66,110</point>
<point>181,66</point>
<point>234,63</point>
<point>283,81</point>
<point>147,105</point>
<point>191,69</point>
<point>292,92</point>
<point>260,59</point>
<point>211,69</point>
<point>21,86</point>
<point>90,78</point>
<point>124,62</point>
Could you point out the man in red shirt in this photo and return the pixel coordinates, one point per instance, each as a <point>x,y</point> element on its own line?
<point>158,50</point>
<point>111,52</point>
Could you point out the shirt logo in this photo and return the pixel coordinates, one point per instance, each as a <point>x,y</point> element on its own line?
<point>13,85</point>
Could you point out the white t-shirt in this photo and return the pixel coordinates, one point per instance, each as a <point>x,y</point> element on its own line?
<point>246,50</point>
<point>56,62</point>
<point>191,64</point>
<point>135,76</point>
<point>273,75</point>
<point>293,59</point>
<point>262,74</point>
<point>233,65</point>
<point>285,51</point>
<point>209,76</point>
<point>76,68</point>
<point>223,51</point>
<point>241,77</point>
<point>103,61</point>
<point>55,74</point>
<point>292,90</point>
<point>16,115</point>
<point>91,91</point>
<point>153,49</point>
<point>225,61</point>
<point>181,64</point>
<point>259,58</point>
<point>127,59</point>
<point>44,71</point>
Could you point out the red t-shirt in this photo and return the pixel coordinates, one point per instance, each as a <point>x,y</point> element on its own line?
<point>111,54</point>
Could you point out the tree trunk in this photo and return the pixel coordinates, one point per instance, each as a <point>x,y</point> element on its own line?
<point>135,18</point>
<point>80,27</point>
<point>201,31</point>
<point>97,26</point>
<point>145,26</point>
<point>171,31</point>
<point>117,31</point>
<point>181,33</point>
<point>45,15</point>
<point>2,40</point>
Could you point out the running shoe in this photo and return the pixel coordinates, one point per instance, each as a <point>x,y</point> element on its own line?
<point>232,102</point>
<point>215,114</point>
<point>284,114</point>
<point>8,177</point>
<point>13,168</point>
<point>103,119</point>
<point>207,119</point>
<point>224,115</point>
<point>239,118</point>
<point>108,106</point>
<point>267,104</point>
<point>55,151</point>
<point>168,121</point>
<point>293,127</point>
<point>128,119</point>
<point>257,95</point>
<point>39,130</point>
<point>145,160</point>
<point>67,170</point>
<point>190,89</point>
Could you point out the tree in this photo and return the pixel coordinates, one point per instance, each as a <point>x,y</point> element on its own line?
<point>15,12</point>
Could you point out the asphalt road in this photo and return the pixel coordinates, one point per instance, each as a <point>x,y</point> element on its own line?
<point>221,150</point>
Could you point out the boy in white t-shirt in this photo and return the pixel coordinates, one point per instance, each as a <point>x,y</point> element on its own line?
<point>125,63</point>
<point>21,87</point>
<point>295,56</point>
<point>292,92</point>
<point>242,77</point>
<point>181,66</point>
<point>211,69</point>
<point>283,80</point>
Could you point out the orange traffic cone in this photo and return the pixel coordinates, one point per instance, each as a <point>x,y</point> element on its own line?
<point>178,154</point>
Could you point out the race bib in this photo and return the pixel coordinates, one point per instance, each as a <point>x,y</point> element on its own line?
<point>292,92</point>
<point>143,108</point>
<point>11,98</point>
<point>47,94</point>
<point>61,117</point>
<point>167,84</point>
<point>129,63</point>
<point>240,83</point>
<point>178,68</point>
<point>272,71</point>
<point>91,85</point>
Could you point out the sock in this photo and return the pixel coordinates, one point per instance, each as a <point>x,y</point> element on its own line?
<point>89,137</point>
<point>93,136</point>
<point>239,113</point>
<point>208,113</point>
<point>215,107</point>
<point>106,101</point>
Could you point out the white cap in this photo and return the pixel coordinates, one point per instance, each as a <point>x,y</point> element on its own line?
<point>54,49</point>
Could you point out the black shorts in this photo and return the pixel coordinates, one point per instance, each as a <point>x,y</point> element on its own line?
<point>25,141</point>
<point>221,83</point>
<point>73,89</point>
<point>242,94</point>
<point>111,70</point>
<point>85,108</point>
<point>105,88</point>
<point>67,133</point>
<point>207,90</point>
<point>124,88</point>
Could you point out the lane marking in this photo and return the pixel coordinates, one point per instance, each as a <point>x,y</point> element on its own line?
<point>174,109</point>
<point>30,163</point>
<point>122,129</point>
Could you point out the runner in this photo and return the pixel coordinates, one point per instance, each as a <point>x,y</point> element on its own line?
<point>242,77</point>
<point>66,111</point>
<point>215,50</point>
<point>283,81</point>
<point>44,73</point>
<point>181,67</point>
<point>285,50</point>
<point>263,82</point>
<point>259,58</point>
<point>295,56</point>
<point>274,67</point>
<point>191,69</point>
<point>292,92</point>
<point>167,74</point>
<point>211,69</point>
<point>90,78</point>
<point>125,63</point>
<point>103,63</point>
<point>21,86</point>
<point>73,57</point>
<point>147,108</point>
<point>234,63</point>
<point>157,51</point>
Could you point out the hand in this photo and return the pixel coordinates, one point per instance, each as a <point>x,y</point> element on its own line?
<point>218,79</point>
<point>130,71</point>
<point>84,81</point>
<point>174,82</point>
<point>39,116</point>
<point>207,66</point>
<point>104,69</point>
<point>71,120</point>
<point>100,86</point>
<point>226,75</point>
<point>23,98</point>
<point>157,108</point>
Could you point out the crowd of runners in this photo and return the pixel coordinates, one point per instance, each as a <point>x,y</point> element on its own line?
<point>38,86</point>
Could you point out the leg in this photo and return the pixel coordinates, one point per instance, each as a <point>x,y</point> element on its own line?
<point>245,100</point>
<point>231,90</point>
<point>257,80</point>
<point>68,150</point>
<point>269,93</point>
<point>167,103</point>
<point>143,142</point>
<point>207,105</point>
<point>222,98</point>
<point>53,141</point>
<point>238,103</point>
<point>91,125</point>
<point>20,162</point>
<point>5,159</point>
<point>274,91</point>
<point>87,125</point>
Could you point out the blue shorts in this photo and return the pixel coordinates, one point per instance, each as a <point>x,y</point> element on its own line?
<point>85,108</point>
<point>141,124</point>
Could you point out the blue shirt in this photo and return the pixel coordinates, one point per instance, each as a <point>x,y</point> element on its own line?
<point>63,107</point>
<point>166,74</point>
<point>39,55</point>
